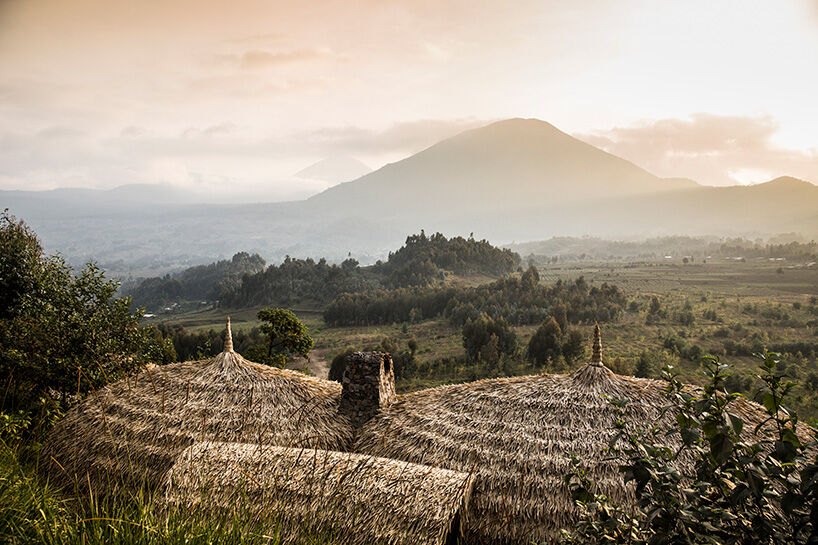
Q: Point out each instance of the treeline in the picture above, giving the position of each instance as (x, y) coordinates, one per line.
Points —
(591, 248)
(517, 300)
(423, 259)
(244, 280)
(297, 281)
(200, 283)
(182, 345)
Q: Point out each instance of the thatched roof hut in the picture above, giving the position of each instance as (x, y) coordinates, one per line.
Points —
(517, 435)
(341, 497)
(128, 434)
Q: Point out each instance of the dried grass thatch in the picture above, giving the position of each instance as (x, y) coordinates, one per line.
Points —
(517, 434)
(345, 498)
(128, 434)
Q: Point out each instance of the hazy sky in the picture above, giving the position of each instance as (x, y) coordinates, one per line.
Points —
(239, 95)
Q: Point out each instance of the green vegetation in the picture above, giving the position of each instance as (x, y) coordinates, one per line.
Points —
(549, 346)
(285, 336)
(243, 280)
(31, 512)
(679, 248)
(61, 334)
(519, 300)
(423, 259)
(726, 483)
(487, 340)
(200, 283)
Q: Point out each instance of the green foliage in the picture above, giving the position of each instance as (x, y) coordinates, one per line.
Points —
(420, 262)
(573, 346)
(550, 343)
(546, 344)
(203, 282)
(486, 339)
(296, 281)
(423, 259)
(746, 486)
(61, 334)
(286, 336)
(516, 301)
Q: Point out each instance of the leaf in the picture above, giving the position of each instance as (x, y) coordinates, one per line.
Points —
(736, 423)
(791, 501)
(769, 403)
(721, 446)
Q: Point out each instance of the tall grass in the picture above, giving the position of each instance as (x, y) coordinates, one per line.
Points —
(30, 512)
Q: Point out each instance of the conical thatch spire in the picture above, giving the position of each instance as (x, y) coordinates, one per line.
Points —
(228, 340)
(596, 357)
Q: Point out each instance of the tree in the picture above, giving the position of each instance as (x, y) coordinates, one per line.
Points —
(573, 346)
(286, 335)
(485, 337)
(546, 344)
(61, 333)
(22, 266)
(530, 278)
(412, 344)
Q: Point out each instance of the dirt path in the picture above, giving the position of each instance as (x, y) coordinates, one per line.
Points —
(317, 364)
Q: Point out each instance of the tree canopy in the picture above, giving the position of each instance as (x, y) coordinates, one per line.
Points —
(61, 334)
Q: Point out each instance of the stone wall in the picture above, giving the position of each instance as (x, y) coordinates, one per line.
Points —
(368, 386)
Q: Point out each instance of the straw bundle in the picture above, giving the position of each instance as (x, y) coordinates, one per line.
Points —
(342, 497)
(128, 434)
(517, 435)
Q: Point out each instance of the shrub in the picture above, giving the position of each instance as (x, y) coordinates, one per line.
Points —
(546, 343)
(743, 488)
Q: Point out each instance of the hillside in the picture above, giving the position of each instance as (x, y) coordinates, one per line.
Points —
(334, 170)
(509, 164)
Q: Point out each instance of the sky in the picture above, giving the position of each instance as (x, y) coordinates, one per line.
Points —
(229, 97)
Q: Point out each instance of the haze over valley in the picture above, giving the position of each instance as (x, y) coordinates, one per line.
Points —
(513, 180)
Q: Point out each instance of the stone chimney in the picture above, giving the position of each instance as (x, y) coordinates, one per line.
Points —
(368, 386)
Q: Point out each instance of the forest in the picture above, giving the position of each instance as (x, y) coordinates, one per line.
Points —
(244, 281)
(520, 301)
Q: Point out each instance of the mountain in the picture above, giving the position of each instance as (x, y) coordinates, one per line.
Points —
(334, 170)
(505, 165)
(515, 180)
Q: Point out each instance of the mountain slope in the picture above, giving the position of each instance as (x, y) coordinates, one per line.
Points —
(512, 163)
(334, 170)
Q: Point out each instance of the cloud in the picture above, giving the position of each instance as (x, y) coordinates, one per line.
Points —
(407, 137)
(711, 149)
(203, 156)
(258, 58)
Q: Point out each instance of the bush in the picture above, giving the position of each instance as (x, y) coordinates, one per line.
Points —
(546, 343)
(486, 339)
(744, 488)
(61, 333)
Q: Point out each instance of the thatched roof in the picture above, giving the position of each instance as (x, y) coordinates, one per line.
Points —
(129, 433)
(517, 435)
(342, 497)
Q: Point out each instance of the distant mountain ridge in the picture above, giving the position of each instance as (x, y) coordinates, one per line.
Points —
(334, 170)
(514, 180)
